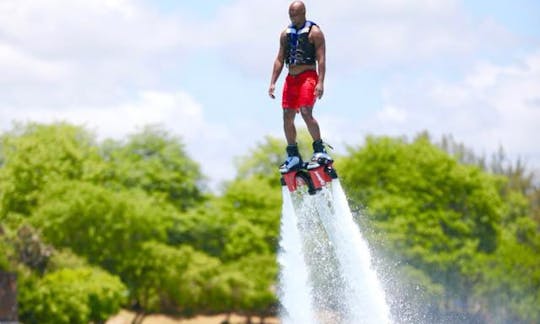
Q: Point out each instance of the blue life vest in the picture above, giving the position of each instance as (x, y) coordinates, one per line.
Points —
(298, 50)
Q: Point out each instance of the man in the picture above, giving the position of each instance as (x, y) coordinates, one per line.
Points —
(302, 49)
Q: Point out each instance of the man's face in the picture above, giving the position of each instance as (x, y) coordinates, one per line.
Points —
(297, 16)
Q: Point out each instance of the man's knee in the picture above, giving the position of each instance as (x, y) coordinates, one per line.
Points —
(306, 110)
(306, 113)
(289, 114)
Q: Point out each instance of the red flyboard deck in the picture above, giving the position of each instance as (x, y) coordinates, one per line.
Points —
(319, 177)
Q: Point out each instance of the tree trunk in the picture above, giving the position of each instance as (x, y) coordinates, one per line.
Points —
(227, 319)
(8, 297)
(139, 317)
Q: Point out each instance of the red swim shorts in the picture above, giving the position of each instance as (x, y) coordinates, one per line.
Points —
(298, 91)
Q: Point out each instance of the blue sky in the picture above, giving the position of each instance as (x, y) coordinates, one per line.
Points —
(201, 70)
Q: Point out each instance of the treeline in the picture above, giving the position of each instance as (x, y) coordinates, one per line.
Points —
(94, 227)
(458, 238)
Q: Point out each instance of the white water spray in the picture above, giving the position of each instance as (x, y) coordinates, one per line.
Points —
(294, 292)
(324, 254)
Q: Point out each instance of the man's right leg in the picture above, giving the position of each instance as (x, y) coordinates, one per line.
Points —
(288, 125)
(319, 152)
(294, 160)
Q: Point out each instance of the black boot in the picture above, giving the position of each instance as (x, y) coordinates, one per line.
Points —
(320, 156)
(318, 147)
(294, 160)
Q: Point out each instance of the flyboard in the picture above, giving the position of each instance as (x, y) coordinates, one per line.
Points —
(326, 275)
(314, 175)
(310, 280)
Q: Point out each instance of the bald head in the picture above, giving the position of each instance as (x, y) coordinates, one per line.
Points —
(297, 5)
(297, 13)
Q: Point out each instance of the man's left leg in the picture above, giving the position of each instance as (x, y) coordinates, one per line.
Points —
(313, 127)
(311, 123)
(294, 160)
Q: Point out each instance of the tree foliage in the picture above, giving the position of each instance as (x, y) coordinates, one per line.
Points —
(433, 214)
(36, 155)
(156, 162)
(68, 296)
(171, 279)
(105, 226)
(90, 227)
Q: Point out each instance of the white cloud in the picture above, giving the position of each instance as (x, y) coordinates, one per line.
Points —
(97, 28)
(63, 52)
(492, 106)
(206, 142)
(501, 107)
(392, 114)
(18, 67)
(373, 34)
(178, 111)
(91, 62)
(59, 53)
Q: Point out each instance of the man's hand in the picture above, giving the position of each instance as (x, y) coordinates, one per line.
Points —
(319, 90)
(271, 91)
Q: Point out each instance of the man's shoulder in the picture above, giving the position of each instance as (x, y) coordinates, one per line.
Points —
(283, 34)
(315, 31)
(313, 24)
(316, 28)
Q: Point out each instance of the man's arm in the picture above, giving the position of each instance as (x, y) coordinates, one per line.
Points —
(317, 37)
(278, 65)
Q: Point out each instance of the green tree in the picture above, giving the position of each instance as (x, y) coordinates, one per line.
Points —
(261, 271)
(263, 160)
(31, 250)
(65, 259)
(519, 178)
(156, 162)
(257, 201)
(36, 155)
(105, 226)
(508, 282)
(73, 296)
(244, 220)
(228, 290)
(204, 227)
(7, 251)
(426, 210)
(246, 286)
(171, 279)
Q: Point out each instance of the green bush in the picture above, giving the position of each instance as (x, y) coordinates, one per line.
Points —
(72, 296)
(171, 279)
(110, 225)
(65, 259)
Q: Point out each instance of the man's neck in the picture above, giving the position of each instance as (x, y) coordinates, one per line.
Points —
(300, 25)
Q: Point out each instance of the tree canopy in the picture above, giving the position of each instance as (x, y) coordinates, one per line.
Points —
(91, 227)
